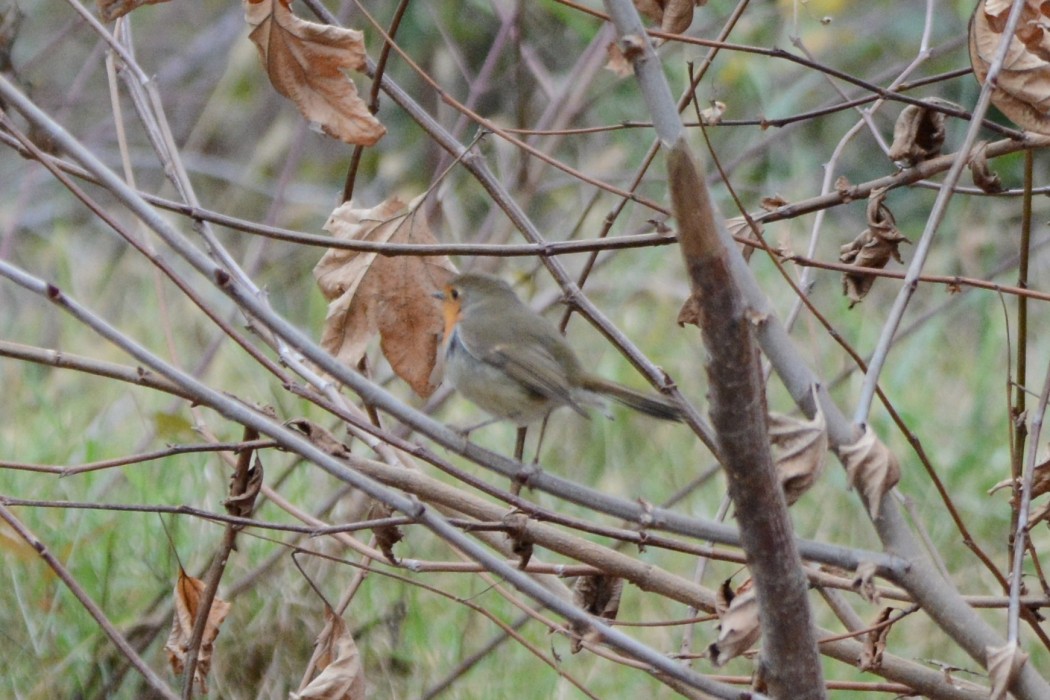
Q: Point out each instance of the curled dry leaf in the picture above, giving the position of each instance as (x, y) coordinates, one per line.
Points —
(110, 10)
(188, 592)
(342, 676)
(599, 595)
(690, 312)
(800, 449)
(873, 248)
(1022, 88)
(983, 176)
(305, 62)
(242, 504)
(386, 535)
(674, 16)
(739, 228)
(521, 543)
(388, 295)
(870, 468)
(875, 643)
(864, 582)
(1003, 664)
(738, 627)
(618, 62)
(321, 437)
(918, 134)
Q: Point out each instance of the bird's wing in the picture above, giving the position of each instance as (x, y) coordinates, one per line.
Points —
(529, 362)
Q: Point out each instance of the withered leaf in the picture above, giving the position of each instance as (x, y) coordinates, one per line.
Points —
(1022, 88)
(772, 202)
(983, 176)
(674, 16)
(690, 312)
(388, 295)
(870, 468)
(864, 582)
(386, 535)
(188, 592)
(521, 543)
(305, 62)
(875, 643)
(242, 504)
(918, 134)
(800, 449)
(618, 62)
(342, 675)
(1003, 664)
(599, 595)
(741, 230)
(110, 10)
(738, 627)
(321, 437)
(873, 248)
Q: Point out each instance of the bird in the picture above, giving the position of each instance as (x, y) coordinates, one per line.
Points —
(515, 364)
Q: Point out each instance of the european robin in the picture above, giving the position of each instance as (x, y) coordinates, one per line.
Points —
(514, 363)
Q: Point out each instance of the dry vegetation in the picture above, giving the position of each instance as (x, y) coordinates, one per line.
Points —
(227, 467)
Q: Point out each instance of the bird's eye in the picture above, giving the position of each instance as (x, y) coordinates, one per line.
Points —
(453, 292)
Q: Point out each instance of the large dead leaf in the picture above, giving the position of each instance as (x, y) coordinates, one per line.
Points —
(738, 627)
(109, 10)
(800, 449)
(389, 295)
(187, 601)
(341, 677)
(873, 248)
(305, 62)
(870, 468)
(1022, 89)
(674, 16)
(1003, 664)
(918, 134)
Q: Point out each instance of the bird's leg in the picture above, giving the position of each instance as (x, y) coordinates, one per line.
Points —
(519, 453)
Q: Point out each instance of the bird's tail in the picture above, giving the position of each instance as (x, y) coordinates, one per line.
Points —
(651, 404)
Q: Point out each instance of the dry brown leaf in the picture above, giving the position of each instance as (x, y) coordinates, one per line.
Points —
(875, 643)
(864, 582)
(690, 312)
(110, 10)
(983, 176)
(738, 627)
(386, 535)
(738, 228)
(800, 449)
(674, 16)
(241, 505)
(305, 62)
(321, 437)
(773, 202)
(873, 248)
(388, 295)
(599, 595)
(187, 600)
(1022, 89)
(342, 676)
(618, 62)
(1003, 664)
(870, 468)
(918, 134)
